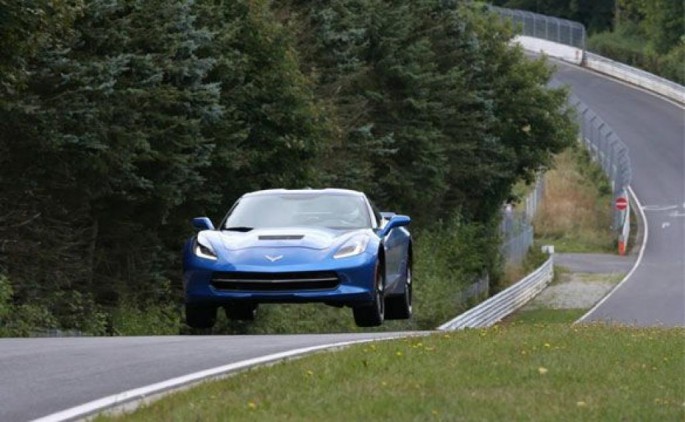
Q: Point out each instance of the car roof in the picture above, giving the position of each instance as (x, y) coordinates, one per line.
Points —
(327, 191)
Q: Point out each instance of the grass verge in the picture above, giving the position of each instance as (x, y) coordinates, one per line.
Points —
(576, 213)
(519, 371)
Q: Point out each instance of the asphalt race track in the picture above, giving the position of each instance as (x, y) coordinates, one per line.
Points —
(654, 131)
(47, 375)
(41, 376)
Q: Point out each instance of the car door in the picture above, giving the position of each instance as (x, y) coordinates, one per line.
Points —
(394, 255)
(393, 246)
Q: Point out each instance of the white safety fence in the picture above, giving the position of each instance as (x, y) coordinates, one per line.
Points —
(641, 78)
(504, 303)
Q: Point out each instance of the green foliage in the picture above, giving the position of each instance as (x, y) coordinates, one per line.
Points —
(20, 320)
(647, 34)
(662, 21)
(272, 130)
(628, 44)
(447, 260)
(429, 86)
(5, 303)
(140, 114)
(134, 319)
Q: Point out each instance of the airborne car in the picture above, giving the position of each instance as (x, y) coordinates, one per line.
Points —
(294, 246)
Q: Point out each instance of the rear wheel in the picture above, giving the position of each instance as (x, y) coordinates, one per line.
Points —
(400, 306)
(200, 316)
(373, 314)
(241, 311)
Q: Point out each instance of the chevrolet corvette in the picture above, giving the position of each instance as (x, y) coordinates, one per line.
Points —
(296, 246)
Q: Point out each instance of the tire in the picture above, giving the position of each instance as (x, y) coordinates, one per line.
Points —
(200, 316)
(241, 311)
(400, 306)
(373, 314)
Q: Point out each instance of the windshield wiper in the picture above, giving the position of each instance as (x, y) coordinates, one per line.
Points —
(239, 229)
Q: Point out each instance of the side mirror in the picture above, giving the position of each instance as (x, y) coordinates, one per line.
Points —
(202, 223)
(387, 215)
(395, 221)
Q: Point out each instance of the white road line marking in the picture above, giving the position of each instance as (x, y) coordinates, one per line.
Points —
(664, 225)
(659, 207)
(138, 394)
(676, 214)
(637, 262)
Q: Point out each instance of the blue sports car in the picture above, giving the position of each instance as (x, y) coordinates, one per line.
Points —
(284, 246)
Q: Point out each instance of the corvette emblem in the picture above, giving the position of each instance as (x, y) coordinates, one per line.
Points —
(273, 258)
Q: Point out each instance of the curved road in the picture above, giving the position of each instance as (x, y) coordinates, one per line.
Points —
(654, 131)
(43, 376)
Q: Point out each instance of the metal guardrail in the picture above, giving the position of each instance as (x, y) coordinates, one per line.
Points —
(505, 302)
(635, 76)
(561, 31)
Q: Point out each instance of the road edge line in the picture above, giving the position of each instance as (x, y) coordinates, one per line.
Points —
(139, 394)
(643, 217)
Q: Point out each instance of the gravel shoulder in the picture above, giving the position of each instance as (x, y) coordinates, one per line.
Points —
(582, 280)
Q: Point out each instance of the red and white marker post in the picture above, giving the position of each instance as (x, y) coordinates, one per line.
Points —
(621, 205)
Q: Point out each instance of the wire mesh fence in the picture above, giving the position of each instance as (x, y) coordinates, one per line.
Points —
(607, 150)
(516, 228)
(531, 24)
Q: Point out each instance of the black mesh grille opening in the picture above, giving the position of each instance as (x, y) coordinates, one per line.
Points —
(251, 281)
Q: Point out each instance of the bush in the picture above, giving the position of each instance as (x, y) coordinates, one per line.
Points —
(22, 320)
(131, 319)
(627, 45)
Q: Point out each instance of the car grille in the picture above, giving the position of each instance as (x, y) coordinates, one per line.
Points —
(274, 282)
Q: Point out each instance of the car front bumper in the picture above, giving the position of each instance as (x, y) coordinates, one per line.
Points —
(355, 282)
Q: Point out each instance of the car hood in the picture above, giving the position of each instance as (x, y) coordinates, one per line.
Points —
(291, 237)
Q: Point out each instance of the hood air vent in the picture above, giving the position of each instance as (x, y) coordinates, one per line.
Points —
(282, 237)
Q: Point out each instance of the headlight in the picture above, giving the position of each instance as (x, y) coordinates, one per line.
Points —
(203, 249)
(352, 247)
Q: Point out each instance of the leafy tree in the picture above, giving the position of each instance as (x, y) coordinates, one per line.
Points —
(428, 77)
(273, 129)
(646, 34)
(111, 142)
(139, 114)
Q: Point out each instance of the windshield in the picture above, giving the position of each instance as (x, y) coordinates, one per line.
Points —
(310, 210)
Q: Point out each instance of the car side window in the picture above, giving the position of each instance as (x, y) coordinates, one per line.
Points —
(377, 214)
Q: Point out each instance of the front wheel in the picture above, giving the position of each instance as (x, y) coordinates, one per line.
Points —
(201, 316)
(372, 315)
(400, 307)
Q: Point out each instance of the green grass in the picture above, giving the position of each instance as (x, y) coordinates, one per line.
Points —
(576, 213)
(518, 371)
(546, 316)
